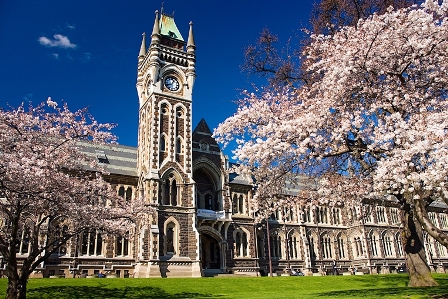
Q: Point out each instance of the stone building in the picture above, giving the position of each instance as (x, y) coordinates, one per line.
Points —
(204, 224)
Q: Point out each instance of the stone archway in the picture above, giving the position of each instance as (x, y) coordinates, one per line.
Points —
(210, 252)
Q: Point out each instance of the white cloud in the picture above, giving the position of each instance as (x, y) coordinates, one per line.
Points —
(70, 26)
(59, 41)
(55, 55)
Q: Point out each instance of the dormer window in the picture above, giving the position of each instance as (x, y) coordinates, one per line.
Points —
(172, 34)
(101, 156)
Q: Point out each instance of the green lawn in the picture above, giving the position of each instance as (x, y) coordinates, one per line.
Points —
(367, 286)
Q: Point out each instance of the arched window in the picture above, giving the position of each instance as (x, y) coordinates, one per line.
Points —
(374, 243)
(312, 247)
(358, 247)
(399, 244)
(171, 238)
(327, 252)
(121, 192)
(293, 247)
(238, 244)
(162, 143)
(341, 246)
(388, 245)
(128, 194)
(241, 244)
(276, 246)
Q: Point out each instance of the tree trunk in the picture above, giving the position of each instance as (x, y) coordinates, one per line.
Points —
(16, 288)
(419, 272)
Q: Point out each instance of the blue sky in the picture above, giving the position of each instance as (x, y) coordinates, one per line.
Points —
(85, 52)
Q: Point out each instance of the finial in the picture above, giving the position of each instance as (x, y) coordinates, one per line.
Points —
(143, 46)
(190, 42)
(156, 28)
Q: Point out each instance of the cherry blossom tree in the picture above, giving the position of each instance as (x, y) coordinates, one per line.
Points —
(371, 123)
(50, 190)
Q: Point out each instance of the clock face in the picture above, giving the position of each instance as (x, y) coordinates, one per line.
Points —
(171, 83)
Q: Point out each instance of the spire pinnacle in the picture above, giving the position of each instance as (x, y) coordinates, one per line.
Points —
(156, 28)
(143, 46)
(190, 36)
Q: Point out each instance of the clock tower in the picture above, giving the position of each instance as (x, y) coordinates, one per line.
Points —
(166, 73)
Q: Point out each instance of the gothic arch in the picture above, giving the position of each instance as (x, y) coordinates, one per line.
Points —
(208, 185)
(211, 232)
(170, 187)
(210, 168)
(171, 236)
(172, 69)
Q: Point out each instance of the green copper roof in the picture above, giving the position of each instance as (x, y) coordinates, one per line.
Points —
(169, 28)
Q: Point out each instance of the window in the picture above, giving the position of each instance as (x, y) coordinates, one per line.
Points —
(380, 215)
(121, 192)
(358, 247)
(276, 243)
(306, 214)
(394, 216)
(101, 156)
(293, 247)
(122, 246)
(128, 194)
(235, 204)
(312, 248)
(171, 237)
(173, 193)
(326, 247)
(322, 214)
(433, 218)
(443, 221)
(241, 204)
(388, 246)
(399, 244)
(162, 143)
(441, 249)
(91, 243)
(374, 243)
(336, 212)
(170, 192)
(241, 244)
(23, 241)
(260, 247)
(341, 247)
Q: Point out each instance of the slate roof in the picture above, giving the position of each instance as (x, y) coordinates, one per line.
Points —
(118, 159)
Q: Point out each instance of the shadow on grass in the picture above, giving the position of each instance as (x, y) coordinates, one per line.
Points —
(433, 292)
(400, 289)
(94, 292)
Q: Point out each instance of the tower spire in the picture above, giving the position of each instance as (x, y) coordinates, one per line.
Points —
(190, 42)
(156, 28)
(143, 46)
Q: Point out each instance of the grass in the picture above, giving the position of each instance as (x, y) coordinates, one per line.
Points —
(367, 286)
